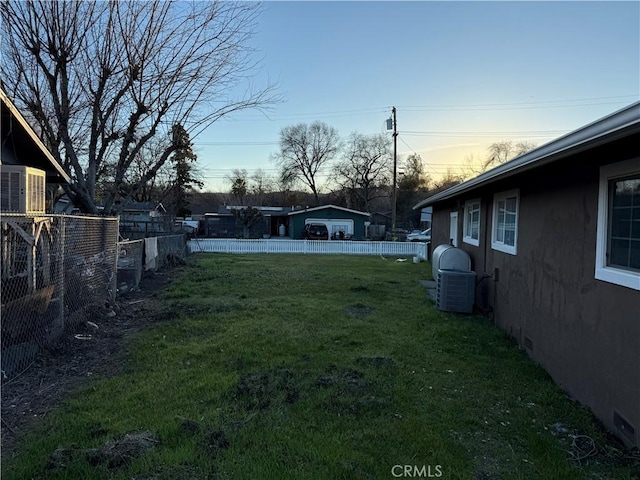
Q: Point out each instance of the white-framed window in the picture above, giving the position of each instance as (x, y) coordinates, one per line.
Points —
(504, 231)
(618, 227)
(471, 226)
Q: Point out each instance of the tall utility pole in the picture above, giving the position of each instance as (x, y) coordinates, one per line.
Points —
(395, 164)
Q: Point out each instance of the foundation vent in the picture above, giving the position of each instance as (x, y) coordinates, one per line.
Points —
(528, 343)
(623, 427)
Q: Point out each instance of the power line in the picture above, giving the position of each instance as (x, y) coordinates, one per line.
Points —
(415, 133)
(236, 144)
(577, 102)
(468, 134)
(472, 132)
(407, 145)
(524, 105)
(335, 113)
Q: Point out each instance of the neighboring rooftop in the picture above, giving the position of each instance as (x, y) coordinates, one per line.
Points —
(324, 207)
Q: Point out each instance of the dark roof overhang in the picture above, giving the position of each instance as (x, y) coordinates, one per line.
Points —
(17, 130)
(618, 125)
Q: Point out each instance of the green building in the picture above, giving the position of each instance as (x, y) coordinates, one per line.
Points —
(340, 222)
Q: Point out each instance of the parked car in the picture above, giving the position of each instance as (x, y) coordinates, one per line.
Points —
(316, 231)
(341, 235)
(424, 236)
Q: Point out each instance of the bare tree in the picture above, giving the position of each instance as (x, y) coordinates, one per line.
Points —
(474, 165)
(304, 152)
(498, 153)
(156, 188)
(102, 79)
(261, 185)
(364, 173)
(167, 175)
(247, 216)
(502, 152)
(448, 180)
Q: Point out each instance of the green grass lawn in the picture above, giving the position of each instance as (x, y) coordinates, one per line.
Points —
(316, 367)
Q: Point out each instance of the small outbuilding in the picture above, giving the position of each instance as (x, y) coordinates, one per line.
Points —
(341, 222)
(272, 222)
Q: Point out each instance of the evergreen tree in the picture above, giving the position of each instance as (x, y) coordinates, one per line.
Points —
(183, 163)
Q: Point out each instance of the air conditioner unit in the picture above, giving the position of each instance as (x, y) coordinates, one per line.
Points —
(455, 291)
(22, 189)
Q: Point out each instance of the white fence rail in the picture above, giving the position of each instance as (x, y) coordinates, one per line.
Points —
(232, 245)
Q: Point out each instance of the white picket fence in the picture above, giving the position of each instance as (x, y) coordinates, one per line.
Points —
(335, 247)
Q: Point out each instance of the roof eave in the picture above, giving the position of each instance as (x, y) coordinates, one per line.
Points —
(324, 207)
(27, 128)
(616, 125)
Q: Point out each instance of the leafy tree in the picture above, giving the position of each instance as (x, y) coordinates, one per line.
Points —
(304, 151)
(103, 79)
(363, 173)
(413, 184)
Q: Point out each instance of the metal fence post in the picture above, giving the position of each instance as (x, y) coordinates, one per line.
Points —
(114, 276)
(60, 256)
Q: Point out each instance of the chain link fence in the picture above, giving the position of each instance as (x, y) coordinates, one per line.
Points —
(60, 271)
(54, 270)
(167, 250)
(130, 265)
(150, 254)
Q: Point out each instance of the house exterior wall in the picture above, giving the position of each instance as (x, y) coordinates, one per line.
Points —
(583, 331)
(8, 156)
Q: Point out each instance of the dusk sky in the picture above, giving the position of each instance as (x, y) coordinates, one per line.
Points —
(462, 75)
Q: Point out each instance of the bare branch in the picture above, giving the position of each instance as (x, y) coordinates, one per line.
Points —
(364, 171)
(305, 150)
(102, 79)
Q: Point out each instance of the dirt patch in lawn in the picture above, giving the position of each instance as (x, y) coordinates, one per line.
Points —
(359, 310)
(258, 390)
(350, 393)
(116, 453)
(82, 353)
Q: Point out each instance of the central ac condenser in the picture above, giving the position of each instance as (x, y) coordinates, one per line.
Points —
(455, 291)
